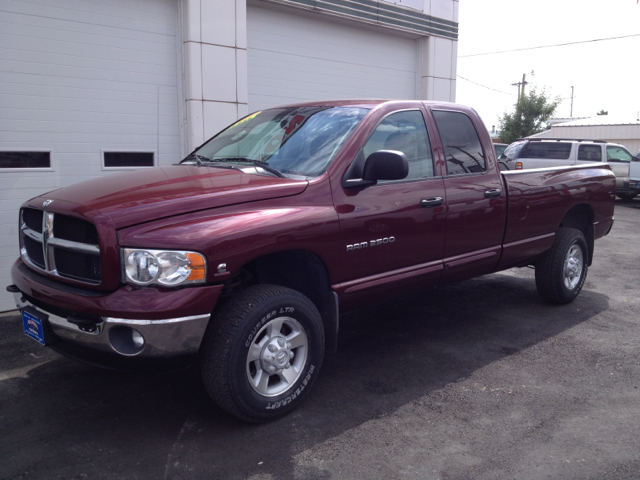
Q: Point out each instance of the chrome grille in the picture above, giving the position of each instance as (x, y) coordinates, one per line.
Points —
(60, 245)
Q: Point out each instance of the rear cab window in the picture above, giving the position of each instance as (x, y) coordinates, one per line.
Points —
(461, 143)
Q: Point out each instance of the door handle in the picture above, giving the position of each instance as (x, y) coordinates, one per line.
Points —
(496, 192)
(431, 202)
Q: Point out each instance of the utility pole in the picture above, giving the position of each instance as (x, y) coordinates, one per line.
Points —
(571, 113)
(522, 83)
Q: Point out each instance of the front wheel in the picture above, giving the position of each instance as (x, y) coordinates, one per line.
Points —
(561, 273)
(262, 352)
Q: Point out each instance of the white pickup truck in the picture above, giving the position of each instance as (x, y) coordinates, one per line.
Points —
(528, 153)
(634, 172)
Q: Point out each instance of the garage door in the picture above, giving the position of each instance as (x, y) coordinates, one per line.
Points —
(295, 58)
(78, 79)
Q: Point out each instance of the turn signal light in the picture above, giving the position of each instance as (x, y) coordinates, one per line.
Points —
(197, 267)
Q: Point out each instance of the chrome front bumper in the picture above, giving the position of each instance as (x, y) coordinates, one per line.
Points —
(142, 338)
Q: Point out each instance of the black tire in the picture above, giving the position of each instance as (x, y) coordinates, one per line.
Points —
(270, 322)
(626, 197)
(561, 273)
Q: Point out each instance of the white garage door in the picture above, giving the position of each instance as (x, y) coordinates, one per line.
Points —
(79, 78)
(295, 58)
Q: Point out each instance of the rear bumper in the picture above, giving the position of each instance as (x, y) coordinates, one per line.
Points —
(129, 322)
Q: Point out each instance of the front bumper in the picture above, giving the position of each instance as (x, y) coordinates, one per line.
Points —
(129, 337)
(628, 187)
(130, 322)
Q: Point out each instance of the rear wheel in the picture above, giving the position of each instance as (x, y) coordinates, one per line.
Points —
(561, 273)
(262, 352)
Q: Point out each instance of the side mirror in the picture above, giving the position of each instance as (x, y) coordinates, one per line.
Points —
(386, 165)
(381, 165)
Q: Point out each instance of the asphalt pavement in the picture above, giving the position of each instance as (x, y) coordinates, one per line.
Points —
(479, 380)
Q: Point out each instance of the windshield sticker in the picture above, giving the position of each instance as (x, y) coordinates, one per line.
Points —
(246, 119)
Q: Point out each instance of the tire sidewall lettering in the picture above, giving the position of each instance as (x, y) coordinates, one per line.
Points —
(292, 396)
(278, 311)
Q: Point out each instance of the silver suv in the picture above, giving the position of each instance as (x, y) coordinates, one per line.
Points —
(527, 153)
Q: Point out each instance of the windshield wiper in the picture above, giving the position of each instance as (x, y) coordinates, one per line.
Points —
(199, 158)
(257, 163)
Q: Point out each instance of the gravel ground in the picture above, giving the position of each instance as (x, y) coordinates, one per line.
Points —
(479, 380)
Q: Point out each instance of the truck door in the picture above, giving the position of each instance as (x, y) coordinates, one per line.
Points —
(393, 231)
(619, 159)
(476, 208)
(589, 153)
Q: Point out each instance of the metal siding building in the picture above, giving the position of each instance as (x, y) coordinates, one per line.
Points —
(603, 127)
(89, 87)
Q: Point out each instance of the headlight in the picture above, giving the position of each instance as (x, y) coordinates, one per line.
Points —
(162, 267)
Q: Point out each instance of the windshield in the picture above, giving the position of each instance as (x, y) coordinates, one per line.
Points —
(296, 141)
(512, 151)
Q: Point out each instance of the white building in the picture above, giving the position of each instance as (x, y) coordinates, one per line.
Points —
(88, 87)
(604, 127)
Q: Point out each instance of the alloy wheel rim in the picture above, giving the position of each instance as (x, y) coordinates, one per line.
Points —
(573, 266)
(276, 356)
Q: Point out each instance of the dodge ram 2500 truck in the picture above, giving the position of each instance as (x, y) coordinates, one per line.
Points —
(244, 254)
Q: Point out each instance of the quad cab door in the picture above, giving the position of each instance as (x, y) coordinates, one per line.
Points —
(475, 196)
(393, 230)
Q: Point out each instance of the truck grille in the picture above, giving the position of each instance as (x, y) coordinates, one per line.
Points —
(60, 245)
(77, 265)
(34, 250)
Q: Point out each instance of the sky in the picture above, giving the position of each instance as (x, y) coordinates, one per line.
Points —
(605, 74)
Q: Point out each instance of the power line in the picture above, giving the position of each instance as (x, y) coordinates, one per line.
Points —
(484, 86)
(550, 46)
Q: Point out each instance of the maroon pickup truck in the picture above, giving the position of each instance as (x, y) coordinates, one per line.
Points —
(244, 254)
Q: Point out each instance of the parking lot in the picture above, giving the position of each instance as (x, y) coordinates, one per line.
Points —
(479, 380)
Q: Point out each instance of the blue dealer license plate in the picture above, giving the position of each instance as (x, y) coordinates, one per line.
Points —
(34, 325)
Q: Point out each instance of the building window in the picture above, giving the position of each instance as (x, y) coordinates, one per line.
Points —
(128, 159)
(15, 159)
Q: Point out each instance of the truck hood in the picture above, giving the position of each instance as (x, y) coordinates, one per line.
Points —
(153, 193)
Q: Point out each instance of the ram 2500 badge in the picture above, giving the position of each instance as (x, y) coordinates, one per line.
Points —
(244, 254)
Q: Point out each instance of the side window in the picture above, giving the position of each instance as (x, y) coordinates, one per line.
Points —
(553, 150)
(618, 154)
(590, 153)
(462, 149)
(406, 132)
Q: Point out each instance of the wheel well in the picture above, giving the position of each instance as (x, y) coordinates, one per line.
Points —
(296, 269)
(580, 217)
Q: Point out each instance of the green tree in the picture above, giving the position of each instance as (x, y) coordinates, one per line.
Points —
(529, 115)
(603, 112)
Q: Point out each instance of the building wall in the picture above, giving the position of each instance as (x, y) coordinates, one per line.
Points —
(215, 57)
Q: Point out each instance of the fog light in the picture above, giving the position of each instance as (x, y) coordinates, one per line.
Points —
(125, 340)
(138, 340)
